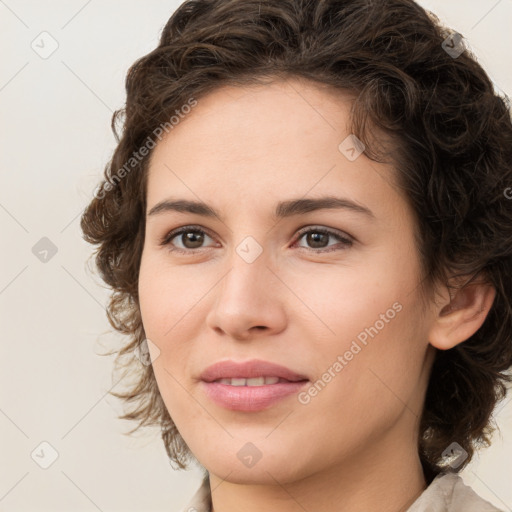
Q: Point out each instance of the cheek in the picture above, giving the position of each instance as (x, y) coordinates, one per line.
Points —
(171, 303)
(348, 304)
(168, 298)
(371, 372)
(363, 393)
(370, 357)
(164, 307)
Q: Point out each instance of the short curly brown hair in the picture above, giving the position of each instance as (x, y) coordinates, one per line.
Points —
(451, 137)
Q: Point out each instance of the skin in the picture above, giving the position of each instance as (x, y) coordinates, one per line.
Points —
(353, 446)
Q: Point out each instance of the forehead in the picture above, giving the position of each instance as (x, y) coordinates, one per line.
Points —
(247, 122)
(254, 143)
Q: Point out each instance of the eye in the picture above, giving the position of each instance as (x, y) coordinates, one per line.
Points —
(192, 238)
(318, 237)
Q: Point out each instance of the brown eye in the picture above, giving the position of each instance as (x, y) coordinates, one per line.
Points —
(192, 239)
(188, 239)
(185, 239)
(318, 238)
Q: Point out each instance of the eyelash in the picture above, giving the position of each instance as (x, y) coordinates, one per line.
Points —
(345, 240)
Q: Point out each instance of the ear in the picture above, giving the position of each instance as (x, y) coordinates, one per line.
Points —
(458, 318)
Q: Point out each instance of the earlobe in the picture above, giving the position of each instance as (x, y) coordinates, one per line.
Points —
(462, 316)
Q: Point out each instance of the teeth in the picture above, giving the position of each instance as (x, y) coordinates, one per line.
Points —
(254, 381)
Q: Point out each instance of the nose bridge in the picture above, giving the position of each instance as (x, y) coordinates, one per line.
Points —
(246, 296)
(249, 271)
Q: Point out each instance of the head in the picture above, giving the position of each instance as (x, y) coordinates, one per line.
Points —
(396, 306)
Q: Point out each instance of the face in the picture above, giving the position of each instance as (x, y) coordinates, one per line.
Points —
(329, 291)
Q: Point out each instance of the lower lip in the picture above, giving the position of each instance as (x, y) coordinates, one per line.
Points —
(250, 398)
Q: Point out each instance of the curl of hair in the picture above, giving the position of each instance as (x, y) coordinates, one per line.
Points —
(450, 139)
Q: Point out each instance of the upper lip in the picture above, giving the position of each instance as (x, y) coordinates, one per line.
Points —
(247, 370)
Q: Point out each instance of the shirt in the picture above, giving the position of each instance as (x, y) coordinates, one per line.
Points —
(446, 493)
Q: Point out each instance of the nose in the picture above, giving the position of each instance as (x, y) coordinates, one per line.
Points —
(248, 301)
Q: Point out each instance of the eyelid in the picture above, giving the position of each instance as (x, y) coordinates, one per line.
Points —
(342, 235)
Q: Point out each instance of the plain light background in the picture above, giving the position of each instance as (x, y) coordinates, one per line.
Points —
(55, 140)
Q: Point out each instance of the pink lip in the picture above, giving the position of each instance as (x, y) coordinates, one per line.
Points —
(249, 398)
(247, 370)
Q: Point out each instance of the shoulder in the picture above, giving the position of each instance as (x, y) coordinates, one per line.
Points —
(446, 493)
(449, 493)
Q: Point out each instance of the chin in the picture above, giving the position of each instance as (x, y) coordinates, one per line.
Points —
(260, 474)
(280, 467)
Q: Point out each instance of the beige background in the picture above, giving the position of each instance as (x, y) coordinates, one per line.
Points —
(55, 139)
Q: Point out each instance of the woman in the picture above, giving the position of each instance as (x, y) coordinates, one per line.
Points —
(306, 228)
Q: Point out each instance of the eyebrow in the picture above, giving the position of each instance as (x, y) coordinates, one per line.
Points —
(282, 210)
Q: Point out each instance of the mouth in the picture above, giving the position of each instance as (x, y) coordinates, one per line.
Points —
(254, 381)
(250, 373)
(250, 386)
